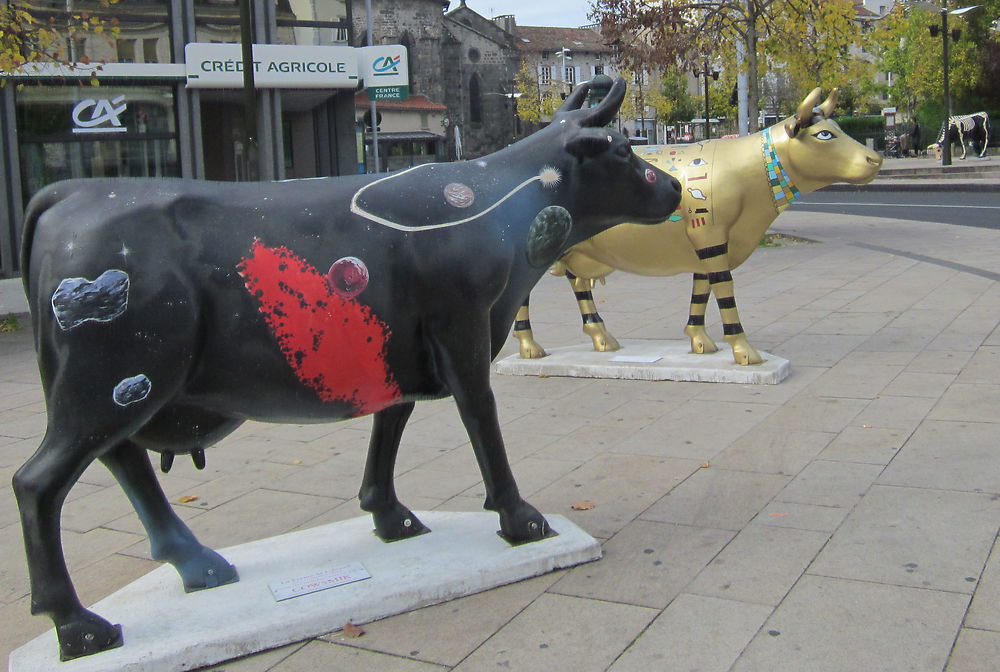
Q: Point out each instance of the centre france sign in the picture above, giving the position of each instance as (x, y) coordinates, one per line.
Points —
(385, 71)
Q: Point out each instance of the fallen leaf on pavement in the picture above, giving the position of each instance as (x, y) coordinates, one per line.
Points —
(583, 506)
(352, 630)
(188, 498)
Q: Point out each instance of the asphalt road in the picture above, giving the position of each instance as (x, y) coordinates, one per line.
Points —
(978, 209)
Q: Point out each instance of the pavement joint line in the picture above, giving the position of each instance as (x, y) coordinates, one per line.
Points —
(874, 582)
(981, 272)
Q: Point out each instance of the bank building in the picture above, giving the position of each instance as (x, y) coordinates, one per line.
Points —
(170, 101)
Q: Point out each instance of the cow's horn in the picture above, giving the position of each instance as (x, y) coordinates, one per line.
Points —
(804, 114)
(830, 104)
(600, 115)
(574, 101)
(604, 112)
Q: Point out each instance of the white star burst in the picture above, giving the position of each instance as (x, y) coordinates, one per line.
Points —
(550, 177)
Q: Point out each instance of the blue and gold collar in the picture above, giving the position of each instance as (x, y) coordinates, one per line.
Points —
(783, 191)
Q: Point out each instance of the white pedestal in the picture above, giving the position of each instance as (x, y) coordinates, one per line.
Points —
(635, 361)
(166, 629)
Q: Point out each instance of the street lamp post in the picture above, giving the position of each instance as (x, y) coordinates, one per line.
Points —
(946, 150)
(563, 52)
(706, 72)
(943, 10)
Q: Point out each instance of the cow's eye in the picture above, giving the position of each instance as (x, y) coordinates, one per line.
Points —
(824, 135)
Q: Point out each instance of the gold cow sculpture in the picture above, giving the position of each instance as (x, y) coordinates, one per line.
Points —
(731, 192)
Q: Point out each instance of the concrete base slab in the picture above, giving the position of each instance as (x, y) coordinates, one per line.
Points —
(648, 360)
(166, 629)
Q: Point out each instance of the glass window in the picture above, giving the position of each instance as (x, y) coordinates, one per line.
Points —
(71, 131)
(216, 21)
(312, 22)
(475, 100)
(135, 20)
(546, 74)
(126, 51)
(149, 50)
(321, 22)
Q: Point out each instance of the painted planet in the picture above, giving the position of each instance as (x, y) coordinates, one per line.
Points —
(459, 195)
(348, 277)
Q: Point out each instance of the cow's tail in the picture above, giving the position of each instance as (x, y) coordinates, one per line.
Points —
(38, 204)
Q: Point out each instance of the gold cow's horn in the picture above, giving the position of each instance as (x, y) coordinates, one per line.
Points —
(804, 113)
(830, 104)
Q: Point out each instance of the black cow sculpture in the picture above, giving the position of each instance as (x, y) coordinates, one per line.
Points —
(971, 128)
(166, 312)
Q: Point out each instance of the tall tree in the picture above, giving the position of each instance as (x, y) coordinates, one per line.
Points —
(536, 102)
(906, 48)
(661, 33)
(813, 44)
(674, 103)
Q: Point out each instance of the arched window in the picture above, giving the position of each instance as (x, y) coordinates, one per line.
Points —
(406, 39)
(475, 100)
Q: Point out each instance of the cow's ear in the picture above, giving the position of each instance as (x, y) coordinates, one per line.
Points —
(791, 126)
(586, 145)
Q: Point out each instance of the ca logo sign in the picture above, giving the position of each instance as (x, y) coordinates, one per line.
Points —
(386, 65)
(103, 115)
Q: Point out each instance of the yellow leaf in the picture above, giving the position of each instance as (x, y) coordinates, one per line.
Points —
(188, 498)
(582, 506)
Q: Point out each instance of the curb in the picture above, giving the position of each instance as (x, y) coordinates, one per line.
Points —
(918, 184)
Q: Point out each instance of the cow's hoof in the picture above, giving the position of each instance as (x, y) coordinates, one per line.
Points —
(603, 340)
(746, 356)
(87, 634)
(206, 569)
(531, 350)
(523, 523)
(398, 524)
(701, 342)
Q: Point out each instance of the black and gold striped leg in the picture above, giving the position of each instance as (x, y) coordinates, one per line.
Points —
(716, 259)
(530, 349)
(593, 325)
(701, 342)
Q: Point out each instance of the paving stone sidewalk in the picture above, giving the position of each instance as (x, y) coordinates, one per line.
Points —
(845, 519)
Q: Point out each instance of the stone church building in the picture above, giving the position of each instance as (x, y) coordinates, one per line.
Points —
(462, 67)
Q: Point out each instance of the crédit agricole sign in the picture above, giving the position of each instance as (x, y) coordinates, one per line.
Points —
(220, 66)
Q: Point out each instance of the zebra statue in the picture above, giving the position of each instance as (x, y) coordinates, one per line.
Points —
(974, 127)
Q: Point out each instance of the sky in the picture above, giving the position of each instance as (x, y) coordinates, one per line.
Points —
(565, 13)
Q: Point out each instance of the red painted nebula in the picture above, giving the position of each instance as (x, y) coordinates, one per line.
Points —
(335, 345)
(348, 277)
